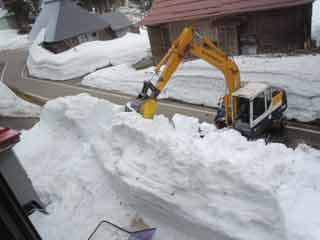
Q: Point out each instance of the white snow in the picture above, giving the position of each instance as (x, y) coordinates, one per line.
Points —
(92, 161)
(132, 11)
(200, 83)
(3, 12)
(13, 106)
(10, 39)
(87, 57)
(316, 21)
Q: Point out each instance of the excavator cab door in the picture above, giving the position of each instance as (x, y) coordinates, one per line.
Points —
(260, 107)
(243, 119)
(252, 114)
(254, 109)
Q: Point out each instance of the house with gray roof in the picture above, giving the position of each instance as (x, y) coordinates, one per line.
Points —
(65, 25)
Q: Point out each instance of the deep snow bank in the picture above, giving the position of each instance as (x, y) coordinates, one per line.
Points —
(93, 161)
(3, 12)
(200, 83)
(316, 21)
(87, 57)
(13, 106)
(10, 39)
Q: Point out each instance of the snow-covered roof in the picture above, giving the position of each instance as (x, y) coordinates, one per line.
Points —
(63, 19)
(251, 90)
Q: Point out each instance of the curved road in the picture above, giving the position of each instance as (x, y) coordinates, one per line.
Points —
(15, 76)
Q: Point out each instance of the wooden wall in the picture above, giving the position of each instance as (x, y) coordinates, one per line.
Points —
(162, 36)
(278, 30)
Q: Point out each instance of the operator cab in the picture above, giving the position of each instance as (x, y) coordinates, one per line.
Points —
(259, 105)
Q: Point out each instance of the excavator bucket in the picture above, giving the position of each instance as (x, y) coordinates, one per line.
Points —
(145, 104)
(147, 108)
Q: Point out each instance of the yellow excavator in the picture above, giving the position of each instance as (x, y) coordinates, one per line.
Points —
(251, 109)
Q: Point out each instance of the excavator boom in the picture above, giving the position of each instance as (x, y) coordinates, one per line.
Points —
(146, 103)
(250, 109)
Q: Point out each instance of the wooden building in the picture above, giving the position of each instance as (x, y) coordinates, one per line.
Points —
(239, 27)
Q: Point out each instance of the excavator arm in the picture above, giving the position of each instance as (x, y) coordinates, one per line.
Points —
(146, 103)
(209, 52)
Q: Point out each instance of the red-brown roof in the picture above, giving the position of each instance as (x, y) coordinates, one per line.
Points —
(164, 11)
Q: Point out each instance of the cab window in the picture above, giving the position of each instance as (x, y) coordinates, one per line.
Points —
(269, 98)
(259, 106)
(244, 110)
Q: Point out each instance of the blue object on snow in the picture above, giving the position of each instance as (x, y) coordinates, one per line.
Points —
(143, 235)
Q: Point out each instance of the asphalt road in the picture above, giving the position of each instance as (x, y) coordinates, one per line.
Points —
(16, 77)
(18, 123)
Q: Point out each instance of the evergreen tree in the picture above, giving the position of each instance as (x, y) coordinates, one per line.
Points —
(21, 10)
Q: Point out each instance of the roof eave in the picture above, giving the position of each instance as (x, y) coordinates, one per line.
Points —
(150, 23)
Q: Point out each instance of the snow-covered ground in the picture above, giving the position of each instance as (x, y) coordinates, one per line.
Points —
(13, 106)
(87, 57)
(3, 12)
(92, 161)
(200, 83)
(10, 39)
(316, 21)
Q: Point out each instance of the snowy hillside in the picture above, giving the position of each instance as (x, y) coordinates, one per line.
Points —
(13, 106)
(190, 188)
(316, 21)
(200, 83)
(87, 57)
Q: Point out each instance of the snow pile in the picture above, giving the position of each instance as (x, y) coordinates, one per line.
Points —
(3, 12)
(122, 78)
(316, 21)
(87, 57)
(13, 106)
(110, 164)
(200, 83)
(10, 39)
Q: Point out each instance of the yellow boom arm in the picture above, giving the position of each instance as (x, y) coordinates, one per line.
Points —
(203, 49)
